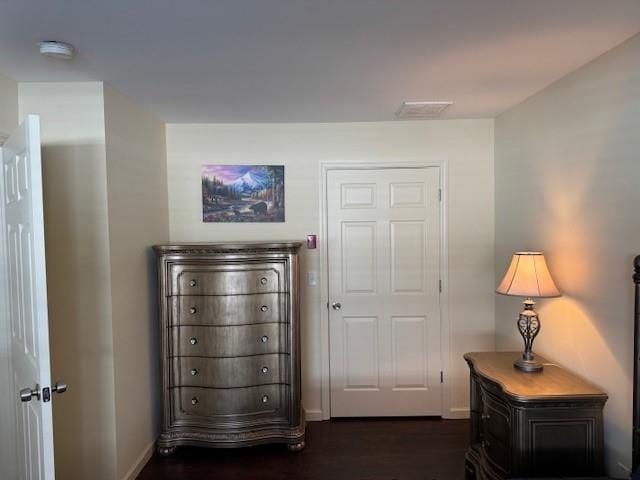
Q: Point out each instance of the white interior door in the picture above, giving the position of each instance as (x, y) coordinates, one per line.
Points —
(384, 298)
(26, 294)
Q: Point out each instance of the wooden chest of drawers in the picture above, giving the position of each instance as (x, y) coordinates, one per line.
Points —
(532, 425)
(229, 316)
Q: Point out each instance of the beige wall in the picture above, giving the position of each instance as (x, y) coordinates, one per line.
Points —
(138, 218)
(467, 147)
(78, 273)
(568, 183)
(105, 199)
(8, 106)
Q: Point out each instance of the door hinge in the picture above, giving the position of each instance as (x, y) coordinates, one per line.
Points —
(440, 285)
(439, 194)
(441, 376)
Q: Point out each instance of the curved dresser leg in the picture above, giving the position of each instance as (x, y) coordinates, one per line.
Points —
(296, 447)
(166, 451)
(470, 471)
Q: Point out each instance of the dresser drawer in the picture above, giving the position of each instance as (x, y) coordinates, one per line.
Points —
(229, 372)
(227, 279)
(496, 418)
(496, 432)
(227, 309)
(498, 454)
(235, 341)
(191, 403)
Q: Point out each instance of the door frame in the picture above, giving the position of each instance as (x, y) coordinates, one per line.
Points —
(323, 244)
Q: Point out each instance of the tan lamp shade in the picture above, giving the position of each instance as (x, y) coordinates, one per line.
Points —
(528, 276)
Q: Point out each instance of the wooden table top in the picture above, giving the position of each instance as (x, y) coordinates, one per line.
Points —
(552, 382)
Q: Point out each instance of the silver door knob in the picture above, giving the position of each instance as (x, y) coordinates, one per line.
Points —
(193, 310)
(264, 339)
(193, 340)
(265, 369)
(59, 387)
(336, 305)
(26, 394)
(194, 372)
(193, 283)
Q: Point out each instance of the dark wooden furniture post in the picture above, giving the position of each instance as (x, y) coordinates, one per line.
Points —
(532, 424)
(636, 369)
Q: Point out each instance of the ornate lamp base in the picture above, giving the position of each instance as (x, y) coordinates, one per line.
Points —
(529, 327)
(528, 365)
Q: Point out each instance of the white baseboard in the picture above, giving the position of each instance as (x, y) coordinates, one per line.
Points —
(313, 415)
(457, 413)
(140, 462)
(453, 413)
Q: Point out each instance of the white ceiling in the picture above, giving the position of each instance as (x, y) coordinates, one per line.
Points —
(313, 60)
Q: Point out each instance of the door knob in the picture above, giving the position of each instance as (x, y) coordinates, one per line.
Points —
(336, 305)
(59, 387)
(26, 394)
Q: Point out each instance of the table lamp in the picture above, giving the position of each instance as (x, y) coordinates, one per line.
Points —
(528, 276)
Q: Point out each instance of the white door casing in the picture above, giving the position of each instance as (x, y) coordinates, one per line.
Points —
(8, 461)
(383, 234)
(23, 237)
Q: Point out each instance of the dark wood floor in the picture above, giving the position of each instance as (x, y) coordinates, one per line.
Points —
(349, 449)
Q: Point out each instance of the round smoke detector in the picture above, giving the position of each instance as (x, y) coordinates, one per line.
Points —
(59, 50)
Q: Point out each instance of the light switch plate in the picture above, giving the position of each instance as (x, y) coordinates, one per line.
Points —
(312, 279)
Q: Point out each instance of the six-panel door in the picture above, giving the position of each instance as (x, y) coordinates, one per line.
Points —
(384, 312)
(27, 301)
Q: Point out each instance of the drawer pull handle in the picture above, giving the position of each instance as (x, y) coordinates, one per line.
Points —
(265, 369)
(194, 401)
(264, 339)
(194, 372)
(263, 280)
(193, 340)
(265, 399)
(486, 416)
(193, 283)
(264, 308)
(485, 444)
(193, 310)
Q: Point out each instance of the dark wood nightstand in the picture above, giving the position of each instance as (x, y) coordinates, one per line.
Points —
(532, 424)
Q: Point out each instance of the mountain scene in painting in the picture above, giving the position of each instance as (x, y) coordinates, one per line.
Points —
(243, 193)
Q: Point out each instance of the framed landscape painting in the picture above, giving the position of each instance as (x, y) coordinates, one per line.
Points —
(243, 193)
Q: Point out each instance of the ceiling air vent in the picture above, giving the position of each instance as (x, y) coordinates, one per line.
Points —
(417, 110)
